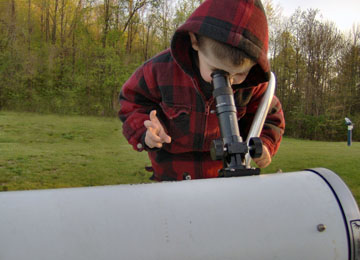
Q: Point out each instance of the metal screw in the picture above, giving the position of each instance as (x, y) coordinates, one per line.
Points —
(186, 176)
(321, 227)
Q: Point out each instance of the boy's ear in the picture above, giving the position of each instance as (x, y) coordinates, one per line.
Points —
(194, 41)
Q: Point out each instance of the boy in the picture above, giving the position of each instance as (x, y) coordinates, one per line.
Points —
(167, 106)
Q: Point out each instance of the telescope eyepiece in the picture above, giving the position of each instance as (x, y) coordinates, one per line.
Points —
(219, 73)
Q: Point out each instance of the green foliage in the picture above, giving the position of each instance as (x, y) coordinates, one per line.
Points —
(67, 71)
(184, 10)
(311, 127)
(59, 86)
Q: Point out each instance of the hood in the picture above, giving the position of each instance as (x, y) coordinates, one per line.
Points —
(240, 23)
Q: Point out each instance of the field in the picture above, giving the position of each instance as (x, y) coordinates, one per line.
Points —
(52, 151)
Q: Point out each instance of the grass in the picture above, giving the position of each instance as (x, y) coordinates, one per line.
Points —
(51, 151)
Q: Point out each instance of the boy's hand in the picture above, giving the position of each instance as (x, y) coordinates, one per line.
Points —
(155, 133)
(265, 158)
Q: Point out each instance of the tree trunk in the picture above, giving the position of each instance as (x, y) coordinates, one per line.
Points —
(106, 21)
(12, 27)
(73, 61)
(29, 26)
(53, 35)
(62, 25)
(47, 21)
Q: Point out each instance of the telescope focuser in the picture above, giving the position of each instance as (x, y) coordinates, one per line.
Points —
(230, 148)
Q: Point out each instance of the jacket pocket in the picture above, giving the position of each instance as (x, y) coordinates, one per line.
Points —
(177, 120)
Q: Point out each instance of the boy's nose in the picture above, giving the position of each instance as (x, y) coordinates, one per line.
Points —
(236, 79)
(231, 80)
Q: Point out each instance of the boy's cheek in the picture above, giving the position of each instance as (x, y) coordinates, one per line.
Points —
(206, 76)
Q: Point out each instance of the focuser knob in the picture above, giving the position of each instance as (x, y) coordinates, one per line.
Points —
(255, 147)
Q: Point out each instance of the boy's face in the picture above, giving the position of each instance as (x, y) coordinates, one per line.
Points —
(208, 63)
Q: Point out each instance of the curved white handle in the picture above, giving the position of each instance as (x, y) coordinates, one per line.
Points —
(261, 113)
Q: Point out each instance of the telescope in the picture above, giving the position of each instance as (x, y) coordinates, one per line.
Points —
(309, 214)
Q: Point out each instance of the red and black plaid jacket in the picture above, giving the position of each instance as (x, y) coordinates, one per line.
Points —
(170, 84)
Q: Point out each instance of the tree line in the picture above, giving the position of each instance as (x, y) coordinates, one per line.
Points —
(318, 73)
(72, 57)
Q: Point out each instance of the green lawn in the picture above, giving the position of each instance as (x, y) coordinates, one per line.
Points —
(51, 151)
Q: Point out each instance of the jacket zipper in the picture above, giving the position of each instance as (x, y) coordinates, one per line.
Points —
(204, 123)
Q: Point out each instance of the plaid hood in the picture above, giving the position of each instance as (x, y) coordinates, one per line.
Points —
(246, 29)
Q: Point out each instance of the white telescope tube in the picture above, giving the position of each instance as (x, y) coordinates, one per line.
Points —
(260, 115)
(301, 215)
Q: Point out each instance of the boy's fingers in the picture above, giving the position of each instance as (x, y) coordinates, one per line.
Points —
(155, 123)
(153, 117)
(165, 137)
(149, 124)
(265, 158)
(152, 140)
(154, 136)
(262, 163)
(155, 139)
(153, 144)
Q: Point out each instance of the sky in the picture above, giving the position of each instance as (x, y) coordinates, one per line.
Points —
(344, 13)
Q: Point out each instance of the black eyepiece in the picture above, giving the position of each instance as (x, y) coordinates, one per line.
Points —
(218, 73)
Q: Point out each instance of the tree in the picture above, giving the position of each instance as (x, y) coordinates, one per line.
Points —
(54, 25)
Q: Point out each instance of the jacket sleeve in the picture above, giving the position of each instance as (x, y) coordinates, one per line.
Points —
(139, 95)
(274, 124)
